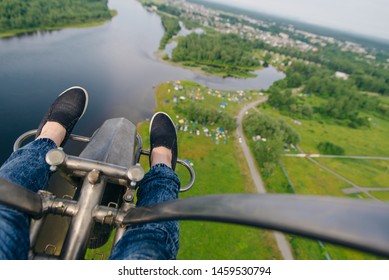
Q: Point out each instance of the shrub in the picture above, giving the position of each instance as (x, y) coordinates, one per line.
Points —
(329, 148)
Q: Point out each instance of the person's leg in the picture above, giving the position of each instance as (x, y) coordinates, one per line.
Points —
(160, 240)
(152, 241)
(27, 167)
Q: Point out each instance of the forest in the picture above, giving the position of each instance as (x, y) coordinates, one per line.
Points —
(20, 15)
(341, 99)
(369, 76)
(227, 53)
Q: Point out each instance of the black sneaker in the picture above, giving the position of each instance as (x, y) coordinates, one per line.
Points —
(67, 109)
(163, 133)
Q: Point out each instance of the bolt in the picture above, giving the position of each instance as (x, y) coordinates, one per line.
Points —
(135, 173)
(55, 157)
(94, 176)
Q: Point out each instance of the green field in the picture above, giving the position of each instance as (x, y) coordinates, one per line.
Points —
(221, 168)
(309, 178)
(306, 177)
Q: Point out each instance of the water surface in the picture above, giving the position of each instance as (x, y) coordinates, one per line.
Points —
(115, 62)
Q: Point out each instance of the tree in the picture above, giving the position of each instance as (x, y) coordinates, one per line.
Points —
(42, 14)
(217, 52)
(205, 116)
(268, 154)
(270, 128)
(172, 27)
(294, 80)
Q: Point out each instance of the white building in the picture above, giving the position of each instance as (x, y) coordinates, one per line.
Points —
(341, 75)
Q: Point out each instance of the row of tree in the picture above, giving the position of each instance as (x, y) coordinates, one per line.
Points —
(270, 128)
(41, 14)
(172, 27)
(166, 9)
(277, 134)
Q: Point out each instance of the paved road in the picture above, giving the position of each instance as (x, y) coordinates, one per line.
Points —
(246, 150)
(282, 243)
(355, 190)
(336, 156)
(355, 186)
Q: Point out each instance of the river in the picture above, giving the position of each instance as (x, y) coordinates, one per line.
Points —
(115, 62)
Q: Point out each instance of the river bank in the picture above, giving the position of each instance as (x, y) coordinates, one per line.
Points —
(27, 31)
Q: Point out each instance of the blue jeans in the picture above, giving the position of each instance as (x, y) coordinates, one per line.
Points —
(28, 168)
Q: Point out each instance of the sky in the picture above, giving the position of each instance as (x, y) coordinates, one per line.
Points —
(366, 17)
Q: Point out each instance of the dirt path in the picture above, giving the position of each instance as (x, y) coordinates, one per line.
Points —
(282, 243)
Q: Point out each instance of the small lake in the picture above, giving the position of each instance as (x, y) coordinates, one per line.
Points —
(115, 62)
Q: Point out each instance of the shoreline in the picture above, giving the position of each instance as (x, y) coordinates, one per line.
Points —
(197, 70)
(29, 31)
(159, 57)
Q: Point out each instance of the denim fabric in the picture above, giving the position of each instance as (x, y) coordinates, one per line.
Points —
(152, 241)
(26, 167)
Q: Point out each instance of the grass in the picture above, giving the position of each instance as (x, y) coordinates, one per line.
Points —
(310, 179)
(219, 169)
(277, 182)
(375, 172)
(306, 178)
(305, 249)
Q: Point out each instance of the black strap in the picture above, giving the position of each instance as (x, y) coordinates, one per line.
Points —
(20, 198)
(353, 223)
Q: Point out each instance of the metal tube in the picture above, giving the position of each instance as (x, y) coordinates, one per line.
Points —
(35, 228)
(119, 219)
(111, 170)
(184, 164)
(22, 138)
(76, 241)
(105, 215)
(64, 207)
(19, 141)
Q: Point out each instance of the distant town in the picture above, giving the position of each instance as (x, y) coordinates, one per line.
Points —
(266, 31)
